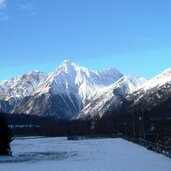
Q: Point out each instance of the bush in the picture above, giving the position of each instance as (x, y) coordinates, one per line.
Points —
(5, 137)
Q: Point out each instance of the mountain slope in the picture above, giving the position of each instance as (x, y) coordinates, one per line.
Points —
(63, 93)
(13, 91)
(72, 89)
(19, 87)
(152, 99)
(68, 89)
(154, 91)
(69, 77)
(131, 94)
(112, 97)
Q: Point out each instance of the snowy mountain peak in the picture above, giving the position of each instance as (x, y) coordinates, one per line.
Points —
(158, 81)
(77, 85)
(69, 73)
(132, 82)
(165, 75)
(67, 63)
(71, 68)
(111, 97)
(21, 86)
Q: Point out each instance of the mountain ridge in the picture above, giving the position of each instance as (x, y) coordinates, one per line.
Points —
(70, 87)
(73, 91)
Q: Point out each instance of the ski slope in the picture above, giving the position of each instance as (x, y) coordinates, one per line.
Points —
(58, 154)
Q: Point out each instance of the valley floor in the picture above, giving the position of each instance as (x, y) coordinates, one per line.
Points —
(58, 154)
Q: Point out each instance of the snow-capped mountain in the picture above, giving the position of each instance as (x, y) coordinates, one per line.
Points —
(112, 97)
(153, 98)
(82, 82)
(154, 91)
(13, 91)
(63, 92)
(19, 87)
(75, 91)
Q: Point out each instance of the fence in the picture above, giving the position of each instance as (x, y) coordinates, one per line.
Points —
(166, 150)
(162, 149)
(156, 147)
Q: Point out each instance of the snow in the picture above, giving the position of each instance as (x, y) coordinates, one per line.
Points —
(58, 154)
(158, 81)
(70, 78)
(21, 86)
(75, 84)
(106, 97)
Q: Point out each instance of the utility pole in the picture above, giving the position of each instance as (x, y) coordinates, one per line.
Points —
(140, 132)
(133, 123)
(143, 134)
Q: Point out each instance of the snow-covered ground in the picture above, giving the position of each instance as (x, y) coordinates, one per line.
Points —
(58, 154)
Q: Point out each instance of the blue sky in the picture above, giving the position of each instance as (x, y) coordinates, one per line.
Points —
(130, 35)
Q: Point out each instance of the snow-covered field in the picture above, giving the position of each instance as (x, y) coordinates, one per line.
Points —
(58, 154)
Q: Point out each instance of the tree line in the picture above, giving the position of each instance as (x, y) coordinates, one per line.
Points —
(131, 123)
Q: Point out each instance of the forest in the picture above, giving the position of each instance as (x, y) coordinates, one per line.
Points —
(153, 125)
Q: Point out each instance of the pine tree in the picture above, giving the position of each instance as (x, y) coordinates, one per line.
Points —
(5, 137)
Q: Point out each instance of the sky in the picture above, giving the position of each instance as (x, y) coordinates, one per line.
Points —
(132, 36)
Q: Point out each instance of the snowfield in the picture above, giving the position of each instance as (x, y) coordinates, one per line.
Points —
(58, 154)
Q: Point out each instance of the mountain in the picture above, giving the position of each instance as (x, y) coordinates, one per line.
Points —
(112, 97)
(72, 78)
(13, 91)
(151, 99)
(62, 93)
(154, 91)
(20, 87)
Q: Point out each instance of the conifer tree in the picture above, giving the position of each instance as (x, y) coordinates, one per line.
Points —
(5, 137)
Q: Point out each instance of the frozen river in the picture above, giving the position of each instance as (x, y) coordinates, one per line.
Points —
(58, 154)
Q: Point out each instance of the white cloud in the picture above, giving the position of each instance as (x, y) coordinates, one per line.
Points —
(3, 15)
(2, 4)
(28, 7)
